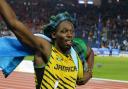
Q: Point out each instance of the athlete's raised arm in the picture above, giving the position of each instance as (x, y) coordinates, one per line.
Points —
(18, 28)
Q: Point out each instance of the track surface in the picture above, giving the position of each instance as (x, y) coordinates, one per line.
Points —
(22, 80)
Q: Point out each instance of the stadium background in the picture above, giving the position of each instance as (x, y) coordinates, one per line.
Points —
(103, 24)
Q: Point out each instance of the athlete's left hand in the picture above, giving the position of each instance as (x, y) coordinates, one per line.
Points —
(85, 79)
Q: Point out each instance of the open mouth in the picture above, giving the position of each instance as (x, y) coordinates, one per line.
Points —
(68, 42)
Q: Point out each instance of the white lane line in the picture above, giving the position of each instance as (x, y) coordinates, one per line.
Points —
(110, 80)
(27, 66)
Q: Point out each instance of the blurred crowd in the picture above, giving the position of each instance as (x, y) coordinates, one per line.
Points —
(99, 26)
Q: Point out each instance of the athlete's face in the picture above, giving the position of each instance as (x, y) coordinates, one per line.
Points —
(64, 34)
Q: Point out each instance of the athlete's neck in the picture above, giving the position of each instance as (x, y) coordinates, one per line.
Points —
(63, 50)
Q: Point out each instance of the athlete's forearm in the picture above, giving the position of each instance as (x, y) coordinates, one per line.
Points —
(6, 12)
(17, 27)
(90, 62)
(90, 59)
